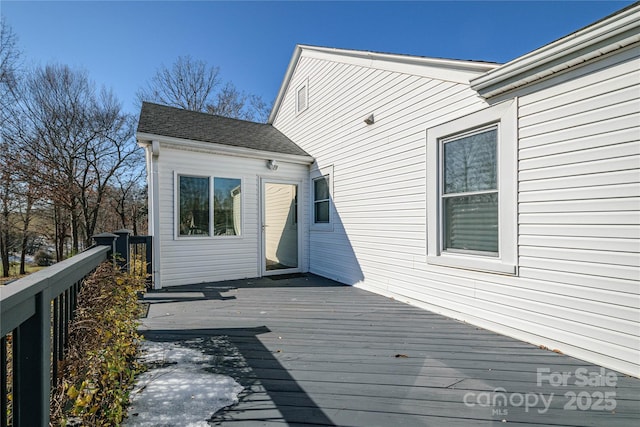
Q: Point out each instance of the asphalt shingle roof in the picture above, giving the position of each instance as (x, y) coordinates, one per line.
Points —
(178, 123)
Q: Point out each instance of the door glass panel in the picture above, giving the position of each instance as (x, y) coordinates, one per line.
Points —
(280, 226)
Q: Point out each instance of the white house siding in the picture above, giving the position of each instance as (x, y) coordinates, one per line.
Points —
(579, 209)
(195, 260)
(577, 289)
(379, 170)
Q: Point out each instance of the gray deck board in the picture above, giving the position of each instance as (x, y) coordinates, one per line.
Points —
(309, 351)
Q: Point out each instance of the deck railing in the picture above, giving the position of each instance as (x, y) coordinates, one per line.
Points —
(135, 254)
(35, 313)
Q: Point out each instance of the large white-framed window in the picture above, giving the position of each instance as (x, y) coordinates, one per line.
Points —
(321, 199)
(207, 206)
(302, 97)
(472, 191)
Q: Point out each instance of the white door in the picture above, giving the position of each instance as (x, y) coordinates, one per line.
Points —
(280, 230)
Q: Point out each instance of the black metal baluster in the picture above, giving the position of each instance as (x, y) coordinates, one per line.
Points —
(57, 357)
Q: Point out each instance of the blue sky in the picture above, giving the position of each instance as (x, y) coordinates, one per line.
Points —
(121, 43)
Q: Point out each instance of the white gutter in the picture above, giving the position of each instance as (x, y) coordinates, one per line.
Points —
(614, 32)
(152, 152)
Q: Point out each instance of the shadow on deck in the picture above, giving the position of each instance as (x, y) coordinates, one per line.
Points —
(309, 351)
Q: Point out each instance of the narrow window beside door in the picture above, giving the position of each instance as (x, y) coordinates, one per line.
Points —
(321, 202)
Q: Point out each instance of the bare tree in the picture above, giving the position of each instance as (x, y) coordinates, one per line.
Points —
(27, 192)
(7, 200)
(62, 144)
(10, 58)
(111, 152)
(259, 109)
(10, 61)
(193, 85)
(80, 139)
(229, 102)
(128, 201)
(188, 84)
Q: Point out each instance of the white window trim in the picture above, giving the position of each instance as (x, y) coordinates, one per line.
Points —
(505, 115)
(315, 174)
(176, 207)
(305, 86)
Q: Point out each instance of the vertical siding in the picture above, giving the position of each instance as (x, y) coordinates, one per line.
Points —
(577, 290)
(196, 260)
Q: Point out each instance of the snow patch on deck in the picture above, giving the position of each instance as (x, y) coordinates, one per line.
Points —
(178, 391)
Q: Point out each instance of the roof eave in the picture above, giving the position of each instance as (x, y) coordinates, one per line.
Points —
(614, 32)
(145, 138)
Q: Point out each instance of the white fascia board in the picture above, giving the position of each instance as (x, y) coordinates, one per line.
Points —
(614, 32)
(452, 70)
(227, 150)
(285, 83)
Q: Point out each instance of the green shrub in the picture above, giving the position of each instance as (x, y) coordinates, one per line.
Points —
(100, 364)
(43, 258)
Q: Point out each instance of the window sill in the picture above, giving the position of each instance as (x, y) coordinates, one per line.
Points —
(476, 263)
(321, 227)
(192, 238)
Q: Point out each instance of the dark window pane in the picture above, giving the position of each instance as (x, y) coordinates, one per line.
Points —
(321, 212)
(321, 188)
(471, 223)
(194, 206)
(470, 163)
(227, 207)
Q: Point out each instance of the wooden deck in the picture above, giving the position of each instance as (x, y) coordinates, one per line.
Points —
(309, 351)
